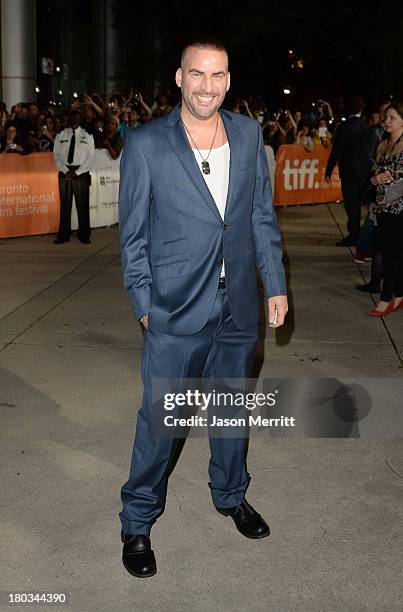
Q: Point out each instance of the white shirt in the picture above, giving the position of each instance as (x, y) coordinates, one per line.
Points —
(84, 151)
(218, 179)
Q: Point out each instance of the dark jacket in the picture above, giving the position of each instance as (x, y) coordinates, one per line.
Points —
(352, 150)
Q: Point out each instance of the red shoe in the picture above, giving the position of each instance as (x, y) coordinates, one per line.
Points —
(359, 257)
(362, 256)
(388, 310)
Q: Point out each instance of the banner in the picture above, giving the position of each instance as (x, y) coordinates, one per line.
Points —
(300, 176)
(29, 194)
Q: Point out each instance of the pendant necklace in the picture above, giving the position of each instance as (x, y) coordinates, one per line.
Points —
(205, 165)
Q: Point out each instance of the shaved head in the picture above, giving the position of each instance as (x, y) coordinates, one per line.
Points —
(210, 44)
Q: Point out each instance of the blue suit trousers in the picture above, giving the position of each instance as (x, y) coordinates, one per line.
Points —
(219, 350)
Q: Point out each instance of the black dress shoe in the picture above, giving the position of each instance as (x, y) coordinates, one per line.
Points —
(85, 240)
(369, 288)
(247, 520)
(346, 242)
(137, 556)
(61, 240)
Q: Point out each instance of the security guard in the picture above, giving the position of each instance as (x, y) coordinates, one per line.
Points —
(74, 155)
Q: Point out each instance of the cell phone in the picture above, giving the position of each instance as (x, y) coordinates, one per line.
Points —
(322, 132)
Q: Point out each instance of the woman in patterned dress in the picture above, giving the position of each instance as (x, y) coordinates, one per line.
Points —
(389, 208)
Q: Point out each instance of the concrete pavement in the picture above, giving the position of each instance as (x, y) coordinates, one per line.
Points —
(70, 389)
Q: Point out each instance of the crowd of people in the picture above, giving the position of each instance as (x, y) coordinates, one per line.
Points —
(26, 128)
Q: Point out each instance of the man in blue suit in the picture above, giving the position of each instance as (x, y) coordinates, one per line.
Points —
(196, 218)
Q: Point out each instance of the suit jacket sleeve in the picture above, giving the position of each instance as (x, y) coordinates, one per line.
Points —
(335, 152)
(134, 224)
(266, 232)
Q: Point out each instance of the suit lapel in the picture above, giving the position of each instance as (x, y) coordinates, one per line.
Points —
(180, 144)
(234, 139)
(182, 148)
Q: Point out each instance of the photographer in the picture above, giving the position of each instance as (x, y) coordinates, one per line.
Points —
(47, 136)
(320, 110)
(13, 141)
(271, 134)
(96, 103)
(287, 127)
(110, 140)
(99, 133)
(240, 106)
(90, 116)
(304, 139)
(131, 113)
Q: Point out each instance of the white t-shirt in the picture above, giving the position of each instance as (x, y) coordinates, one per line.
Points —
(218, 179)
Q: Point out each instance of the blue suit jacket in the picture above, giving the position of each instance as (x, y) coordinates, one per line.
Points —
(172, 237)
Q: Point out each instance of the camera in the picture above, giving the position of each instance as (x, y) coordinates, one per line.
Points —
(99, 137)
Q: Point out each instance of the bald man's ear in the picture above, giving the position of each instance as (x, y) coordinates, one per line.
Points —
(228, 81)
(178, 77)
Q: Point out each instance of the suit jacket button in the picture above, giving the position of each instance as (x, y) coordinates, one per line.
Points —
(220, 262)
(225, 226)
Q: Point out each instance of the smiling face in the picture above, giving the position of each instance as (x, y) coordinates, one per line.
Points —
(204, 80)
